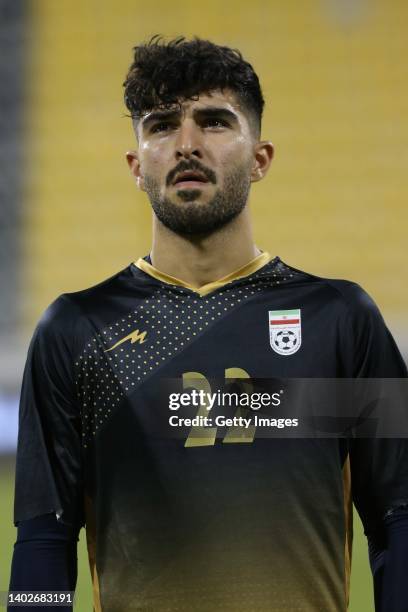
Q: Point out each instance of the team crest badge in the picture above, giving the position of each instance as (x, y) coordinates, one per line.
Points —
(285, 332)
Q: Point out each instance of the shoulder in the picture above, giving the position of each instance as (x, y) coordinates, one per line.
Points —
(358, 304)
(349, 295)
(367, 346)
(103, 289)
(66, 309)
(65, 322)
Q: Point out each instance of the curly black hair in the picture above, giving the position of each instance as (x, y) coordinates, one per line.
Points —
(163, 73)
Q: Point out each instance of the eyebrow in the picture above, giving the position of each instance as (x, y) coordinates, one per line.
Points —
(159, 116)
(209, 111)
(216, 111)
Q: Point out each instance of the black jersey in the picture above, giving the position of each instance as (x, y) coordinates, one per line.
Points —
(221, 523)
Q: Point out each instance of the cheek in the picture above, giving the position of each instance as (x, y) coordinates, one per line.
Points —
(235, 153)
(153, 160)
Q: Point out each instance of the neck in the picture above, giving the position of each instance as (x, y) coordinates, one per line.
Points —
(201, 260)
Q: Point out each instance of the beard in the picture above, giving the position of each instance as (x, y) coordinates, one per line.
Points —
(194, 218)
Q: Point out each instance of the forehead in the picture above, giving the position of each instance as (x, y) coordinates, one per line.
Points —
(217, 98)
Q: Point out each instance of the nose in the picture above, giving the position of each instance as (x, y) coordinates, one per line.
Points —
(188, 142)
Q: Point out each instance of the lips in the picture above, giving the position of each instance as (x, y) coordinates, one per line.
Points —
(190, 176)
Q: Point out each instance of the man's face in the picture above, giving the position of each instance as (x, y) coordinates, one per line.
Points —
(195, 162)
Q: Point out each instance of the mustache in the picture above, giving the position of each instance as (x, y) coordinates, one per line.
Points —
(183, 166)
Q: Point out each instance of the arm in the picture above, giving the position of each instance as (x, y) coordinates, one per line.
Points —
(390, 565)
(379, 465)
(45, 558)
(49, 467)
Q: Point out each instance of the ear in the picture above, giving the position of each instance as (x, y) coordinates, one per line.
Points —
(263, 155)
(134, 166)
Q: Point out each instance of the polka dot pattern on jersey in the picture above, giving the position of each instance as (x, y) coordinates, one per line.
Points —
(172, 317)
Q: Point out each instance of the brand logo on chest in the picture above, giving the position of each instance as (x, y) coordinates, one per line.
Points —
(134, 336)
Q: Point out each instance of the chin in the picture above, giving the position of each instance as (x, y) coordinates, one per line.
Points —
(190, 195)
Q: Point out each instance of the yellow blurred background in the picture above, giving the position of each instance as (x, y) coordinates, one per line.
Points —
(334, 78)
(334, 204)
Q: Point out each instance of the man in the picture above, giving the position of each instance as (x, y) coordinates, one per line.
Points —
(222, 519)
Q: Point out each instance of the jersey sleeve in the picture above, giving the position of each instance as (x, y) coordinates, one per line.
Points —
(379, 466)
(49, 474)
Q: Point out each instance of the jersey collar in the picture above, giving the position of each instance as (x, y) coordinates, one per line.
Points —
(249, 268)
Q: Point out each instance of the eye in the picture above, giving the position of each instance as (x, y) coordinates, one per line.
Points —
(215, 122)
(163, 126)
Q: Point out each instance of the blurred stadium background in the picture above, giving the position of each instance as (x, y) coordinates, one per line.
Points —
(334, 79)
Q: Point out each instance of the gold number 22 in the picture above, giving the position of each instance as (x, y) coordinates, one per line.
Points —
(205, 436)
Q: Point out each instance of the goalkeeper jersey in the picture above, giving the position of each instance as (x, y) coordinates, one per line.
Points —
(210, 518)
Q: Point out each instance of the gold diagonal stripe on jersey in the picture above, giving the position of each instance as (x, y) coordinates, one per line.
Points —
(134, 336)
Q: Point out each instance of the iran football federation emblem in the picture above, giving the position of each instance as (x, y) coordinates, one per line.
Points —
(285, 331)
